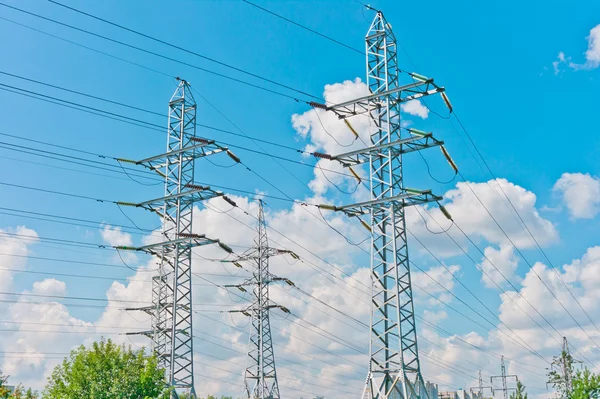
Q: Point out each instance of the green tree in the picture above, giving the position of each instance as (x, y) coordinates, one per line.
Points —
(106, 371)
(18, 393)
(586, 385)
(519, 392)
(4, 392)
(562, 383)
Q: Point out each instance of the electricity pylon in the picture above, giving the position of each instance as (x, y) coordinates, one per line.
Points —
(504, 377)
(260, 377)
(561, 370)
(394, 367)
(171, 309)
(479, 389)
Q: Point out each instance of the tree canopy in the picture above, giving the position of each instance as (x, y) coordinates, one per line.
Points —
(519, 392)
(19, 391)
(106, 371)
(586, 385)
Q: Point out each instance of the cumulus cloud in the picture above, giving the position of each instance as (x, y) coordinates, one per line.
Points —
(115, 236)
(433, 284)
(592, 55)
(580, 193)
(13, 253)
(50, 286)
(463, 203)
(414, 107)
(498, 265)
(327, 133)
(330, 273)
(40, 329)
(465, 206)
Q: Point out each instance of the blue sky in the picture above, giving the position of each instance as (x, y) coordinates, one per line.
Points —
(530, 122)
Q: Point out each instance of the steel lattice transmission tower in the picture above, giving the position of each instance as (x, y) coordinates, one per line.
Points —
(562, 370)
(171, 309)
(504, 378)
(260, 377)
(477, 392)
(394, 367)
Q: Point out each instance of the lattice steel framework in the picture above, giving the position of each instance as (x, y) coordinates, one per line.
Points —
(171, 311)
(394, 368)
(260, 377)
(504, 378)
(562, 369)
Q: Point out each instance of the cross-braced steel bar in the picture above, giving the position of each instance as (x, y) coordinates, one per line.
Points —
(260, 377)
(172, 337)
(394, 367)
(504, 378)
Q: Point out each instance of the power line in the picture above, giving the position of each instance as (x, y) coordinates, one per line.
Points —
(164, 56)
(362, 53)
(503, 276)
(492, 280)
(530, 233)
(227, 276)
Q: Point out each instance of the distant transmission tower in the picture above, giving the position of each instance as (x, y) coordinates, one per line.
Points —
(504, 377)
(260, 378)
(561, 373)
(394, 368)
(479, 389)
(171, 309)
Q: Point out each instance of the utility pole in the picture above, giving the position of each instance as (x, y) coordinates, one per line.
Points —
(504, 378)
(561, 372)
(480, 388)
(171, 309)
(260, 377)
(394, 367)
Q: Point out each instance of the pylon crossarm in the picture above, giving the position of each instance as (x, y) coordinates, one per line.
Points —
(410, 197)
(194, 194)
(245, 312)
(398, 147)
(366, 104)
(148, 309)
(148, 334)
(202, 148)
(241, 287)
(284, 279)
(253, 254)
(190, 241)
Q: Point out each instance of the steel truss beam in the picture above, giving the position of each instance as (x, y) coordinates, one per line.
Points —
(171, 310)
(260, 377)
(394, 367)
(396, 148)
(382, 98)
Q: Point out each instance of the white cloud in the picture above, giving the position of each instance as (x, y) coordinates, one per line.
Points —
(50, 286)
(499, 265)
(463, 203)
(436, 281)
(592, 54)
(465, 207)
(580, 193)
(115, 237)
(13, 252)
(343, 282)
(414, 107)
(40, 328)
(327, 133)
